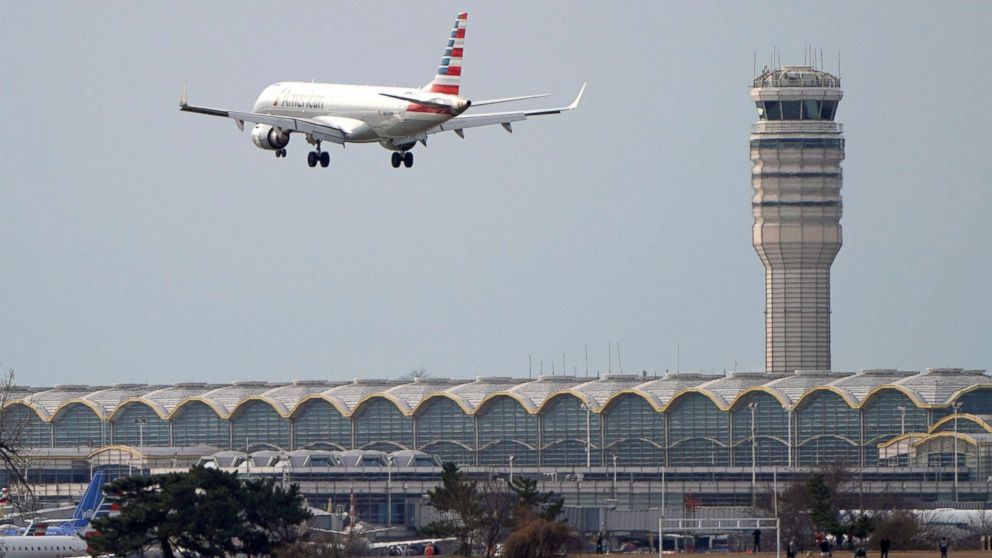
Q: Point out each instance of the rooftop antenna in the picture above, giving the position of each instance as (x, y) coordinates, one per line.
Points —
(609, 348)
(542, 367)
(530, 365)
(587, 359)
(838, 63)
(754, 65)
(821, 57)
(552, 367)
(564, 370)
(619, 358)
(678, 365)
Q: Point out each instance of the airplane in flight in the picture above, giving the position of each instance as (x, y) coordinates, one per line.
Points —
(395, 117)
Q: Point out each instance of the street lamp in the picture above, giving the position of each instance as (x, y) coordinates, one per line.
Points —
(902, 419)
(614, 475)
(957, 409)
(511, 458)
(754, 454)
(588, 411)
(389, 491)
(141, 421)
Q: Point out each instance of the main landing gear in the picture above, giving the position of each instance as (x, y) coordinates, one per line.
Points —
(280, 153)
(318, 156)
(405, 159)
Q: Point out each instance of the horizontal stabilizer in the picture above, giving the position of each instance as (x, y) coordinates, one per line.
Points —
(507, 99)
(433, 103)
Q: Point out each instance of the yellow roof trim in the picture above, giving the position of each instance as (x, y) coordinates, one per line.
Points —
(843, 394)
(527, 405)
(92, 406)
(651, 400)
(912, 395)
(221, 413)
(158, 409)
(278, 407)
(779, 396)
(462, 404)
(400, 405)
(38, 409)
(569, 391)
(685, 392)
(334, 402)
(966, 416)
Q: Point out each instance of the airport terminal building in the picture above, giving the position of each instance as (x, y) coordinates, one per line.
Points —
(929, 432)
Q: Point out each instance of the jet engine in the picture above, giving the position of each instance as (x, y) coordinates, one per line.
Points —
(269, 137)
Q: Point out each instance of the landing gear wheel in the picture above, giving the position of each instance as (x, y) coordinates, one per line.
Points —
(325, 159)
(397, 159)
(408, 159)
(312, 158)
(280, 153)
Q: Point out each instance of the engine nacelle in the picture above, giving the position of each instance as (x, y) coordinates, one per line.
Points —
(268, 137)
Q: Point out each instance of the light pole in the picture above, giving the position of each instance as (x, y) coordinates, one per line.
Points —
(902, 419)
(511, 457)
(957, 408)
(389, 491)
(141, 421)
(614, 475)
(588, 411)
(754, 454)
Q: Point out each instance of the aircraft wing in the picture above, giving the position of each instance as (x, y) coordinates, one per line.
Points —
(504, 119)
(320, 130)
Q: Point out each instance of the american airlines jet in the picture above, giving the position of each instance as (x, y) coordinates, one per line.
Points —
(395, 117)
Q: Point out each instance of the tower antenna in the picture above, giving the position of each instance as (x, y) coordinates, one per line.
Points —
(609, 348)
(530, 365)
(619, 358)
(587, 359)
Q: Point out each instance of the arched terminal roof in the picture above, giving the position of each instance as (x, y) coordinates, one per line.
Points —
(725, 391)
(937, 386)
(472, 394)
(48, 401)
(226, 399)
(347, 397)
(408, 396)
(532, 395)
(285, 399)
(860, 386)
(165, 400)
(105, 401)
(599, 391)
(659, 393)
(794, 387)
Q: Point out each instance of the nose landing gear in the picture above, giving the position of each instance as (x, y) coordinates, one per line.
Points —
(405, 159)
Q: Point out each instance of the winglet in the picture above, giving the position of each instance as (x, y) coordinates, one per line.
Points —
(575, 103)
(183, 100)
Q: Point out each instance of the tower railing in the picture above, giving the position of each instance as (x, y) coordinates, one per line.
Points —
(798, 126)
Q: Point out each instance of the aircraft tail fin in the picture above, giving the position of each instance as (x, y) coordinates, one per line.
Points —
(449, 73)
(90, 501)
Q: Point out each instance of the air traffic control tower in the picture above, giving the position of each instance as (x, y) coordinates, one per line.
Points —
(796, 148)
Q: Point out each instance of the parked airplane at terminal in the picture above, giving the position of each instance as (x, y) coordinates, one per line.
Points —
(91, 504)
(395, 117)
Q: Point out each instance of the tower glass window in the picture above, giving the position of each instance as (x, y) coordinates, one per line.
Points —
(318, 424)
(635, 432)
(256, 423)
(138, 425)
(444, 429)
(77, 425)
(196, 423)
(379, 425)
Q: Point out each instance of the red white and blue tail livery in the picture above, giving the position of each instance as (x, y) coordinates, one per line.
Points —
(395, 117)
(449, 74)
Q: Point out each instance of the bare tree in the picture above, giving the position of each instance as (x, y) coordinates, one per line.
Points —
(13, 431)
(497, 511)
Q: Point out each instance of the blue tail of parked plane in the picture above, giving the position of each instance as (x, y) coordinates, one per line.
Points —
(91, 505)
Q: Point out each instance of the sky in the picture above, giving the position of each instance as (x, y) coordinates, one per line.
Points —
(141, 244)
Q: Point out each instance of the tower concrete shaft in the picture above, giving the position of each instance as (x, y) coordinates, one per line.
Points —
(796, 148)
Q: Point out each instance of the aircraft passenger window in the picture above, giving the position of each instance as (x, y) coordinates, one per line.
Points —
(790, 110)
(811, 110)
(774, 110)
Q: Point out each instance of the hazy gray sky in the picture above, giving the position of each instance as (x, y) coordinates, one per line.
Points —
(139, 244)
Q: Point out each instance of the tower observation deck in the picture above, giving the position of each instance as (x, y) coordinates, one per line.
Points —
(796, 148)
